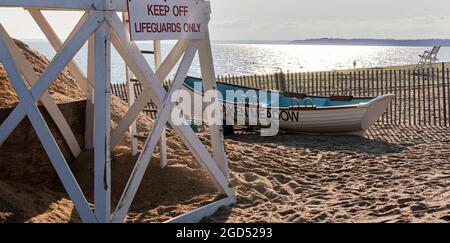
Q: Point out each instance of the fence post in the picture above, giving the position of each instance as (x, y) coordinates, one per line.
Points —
(317, 81)
(320, 85)
(419, 99)
(314, 83)
(414, 98)
(404, 97)
(286, 82)
(438, 82)
(381, 93)
(434, 96)
(390, 91)
(396, 96)
(424, 95)
(328, 84)
(444, 95)
(429, 96)
(258, 79)
(366, 79)
(282, 81)
(409, 97)
(448, 95)
(378, 83)
(277, 81)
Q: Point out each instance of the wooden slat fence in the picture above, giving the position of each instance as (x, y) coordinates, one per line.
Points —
(422, 97)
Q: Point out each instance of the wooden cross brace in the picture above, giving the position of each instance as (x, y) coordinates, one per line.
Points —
(30, 98)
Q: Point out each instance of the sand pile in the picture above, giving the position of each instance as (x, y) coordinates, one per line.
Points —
(64, 89)
(33, 166)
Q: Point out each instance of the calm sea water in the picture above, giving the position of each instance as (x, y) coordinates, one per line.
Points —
(249, 59)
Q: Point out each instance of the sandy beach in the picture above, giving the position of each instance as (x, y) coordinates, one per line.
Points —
(393, 174)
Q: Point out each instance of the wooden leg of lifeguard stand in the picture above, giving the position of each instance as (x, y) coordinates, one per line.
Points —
(163, 141)
(131, 95)
(102, 125)
(209, 80)
(89, 123)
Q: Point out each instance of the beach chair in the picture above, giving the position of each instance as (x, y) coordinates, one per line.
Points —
(428, 59)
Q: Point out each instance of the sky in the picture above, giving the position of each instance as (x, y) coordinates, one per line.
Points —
(290, 19)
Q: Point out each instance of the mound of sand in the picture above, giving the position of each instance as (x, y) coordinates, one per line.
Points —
(34, 166)
(64, 89)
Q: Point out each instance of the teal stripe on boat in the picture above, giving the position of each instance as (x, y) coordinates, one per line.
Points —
(284, 101)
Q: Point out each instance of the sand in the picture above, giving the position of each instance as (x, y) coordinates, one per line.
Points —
(64, 89)
(393, 174)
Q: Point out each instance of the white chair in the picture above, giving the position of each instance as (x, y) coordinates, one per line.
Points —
(428, 59)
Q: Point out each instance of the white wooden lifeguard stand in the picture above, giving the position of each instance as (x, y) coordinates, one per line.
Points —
(100, 26)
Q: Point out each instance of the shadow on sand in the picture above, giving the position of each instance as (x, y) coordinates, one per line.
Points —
(324, 142)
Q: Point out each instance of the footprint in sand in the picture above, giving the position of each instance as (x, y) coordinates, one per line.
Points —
(446, 218)
(282, 179)
(407, 200)
(418, 207)
(386, 209)
(287, 212)
(250, 177)
(321, 217)
(283, 190)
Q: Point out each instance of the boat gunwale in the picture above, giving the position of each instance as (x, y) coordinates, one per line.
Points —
(322, 108)
(277, 91)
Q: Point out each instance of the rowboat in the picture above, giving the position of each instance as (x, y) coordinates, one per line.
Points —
(297, 112)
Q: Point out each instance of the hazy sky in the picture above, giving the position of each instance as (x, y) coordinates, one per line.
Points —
(292, 19)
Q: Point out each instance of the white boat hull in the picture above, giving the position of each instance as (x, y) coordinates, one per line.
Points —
(351, 119)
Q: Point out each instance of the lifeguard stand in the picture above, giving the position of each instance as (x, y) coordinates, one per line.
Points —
(100, 26)
(428, 59)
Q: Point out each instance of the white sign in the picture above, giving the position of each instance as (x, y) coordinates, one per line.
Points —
(168, 19)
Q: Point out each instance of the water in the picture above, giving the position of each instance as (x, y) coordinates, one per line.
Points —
(249, 59)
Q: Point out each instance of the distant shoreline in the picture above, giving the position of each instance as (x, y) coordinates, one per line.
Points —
(347, 42)
(374, 42)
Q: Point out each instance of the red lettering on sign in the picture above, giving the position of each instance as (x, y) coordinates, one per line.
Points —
(180, 10)
(157, 27)
(158, 10)
(191, 27)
